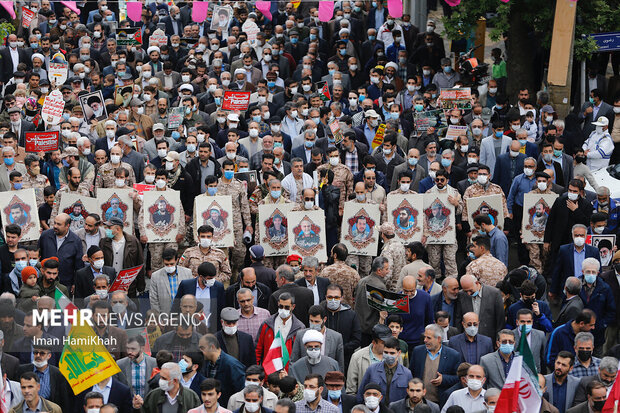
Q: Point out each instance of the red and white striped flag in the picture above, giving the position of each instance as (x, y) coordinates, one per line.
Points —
(519, 394)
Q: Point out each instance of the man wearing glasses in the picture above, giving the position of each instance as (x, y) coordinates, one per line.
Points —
(435, 251)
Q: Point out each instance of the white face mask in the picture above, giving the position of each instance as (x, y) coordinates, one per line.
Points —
(115, 159)
(404, 187)
(40, 364)
(483, 179)
(309, 395)
(284, 313)
(102, 294)
(119, 182)
(149, 179)
(161, 184)
(110, 134)
(229, 330)
(165, 385)
(579, 241)
(333, 161)
(371, 402)
(210, 282)
(308, 204)
(572, 196)
(169, 166)
(542, 186)
(474, 384)
(528, 171)
(170, 269)
(252, 407)
(205, 242)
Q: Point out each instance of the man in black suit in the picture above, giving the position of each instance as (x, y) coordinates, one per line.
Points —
(19, 126)
(334, 381)
(303, 297)
(10, 57)
(85, 277)
(318, 285)
(228, 335)
(593, 110)
(173, 22)
(573, 304)
(54, 386)
(9, 363)
(611, 278)
(247, 279)
(490, 306)
(118, 394)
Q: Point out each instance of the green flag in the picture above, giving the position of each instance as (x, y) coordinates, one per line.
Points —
(526, 352)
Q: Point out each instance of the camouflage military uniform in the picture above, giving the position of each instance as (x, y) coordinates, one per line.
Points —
(105, 175)
(241, 212)
(261, 193)
(362, 262)
(394, 251)
(38, 182)
(346, 277)
(343, 179)
(538, 256)
(82, 190)
(435, 251)
(270, 262)
(477, 190)
(487, 269)
(156, 249)
(193, 257)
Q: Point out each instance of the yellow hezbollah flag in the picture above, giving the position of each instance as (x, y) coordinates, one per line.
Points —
(85, 361)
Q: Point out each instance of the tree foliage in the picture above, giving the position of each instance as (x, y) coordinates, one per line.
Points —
(593, 16)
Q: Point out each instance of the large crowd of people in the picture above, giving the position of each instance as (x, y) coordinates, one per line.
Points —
(344, 111)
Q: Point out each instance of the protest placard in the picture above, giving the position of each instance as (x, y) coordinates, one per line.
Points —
(124, 279)
(175, 117)
(142, 188)
(27, 16)
(129, 36)
(382, 300)
(378, 139)
(41, 141)
(53, 105)
(459, 98)
(454, 131)
(236, 100)
(59, 68)
(336, 132)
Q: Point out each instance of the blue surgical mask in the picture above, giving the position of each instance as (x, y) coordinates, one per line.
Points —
(506, 348)
(229, 175)
(412, 161)
(218, 101)
(471, 256)
(294, 40)
(109, 233)
(528, 328)
(590, 278)
(361, 98)
(332, 71)
(276, 194)
(20, 265)
(446, 162)
(309, 144)
(334, 394)
(312, 36)
(499, 134)
(176, 135)
(557, 153)
(271, 84)
(244, 170)
(372, 37)
(183, 365)
(447, 69)
(277, 145)
(9, 161)
(211, 191)
(66, 116)
(591, 100)
(476, 294)
(343, 52)
(522, 142)
(188, 110)
(18, 185)
(419, 108)
(33, 262)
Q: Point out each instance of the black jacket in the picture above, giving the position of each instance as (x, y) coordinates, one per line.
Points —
(185, 185)
(329, 198)
(193, 169)
(247, 354)
(60, 391)
(304, 299)
(561, 221)
(84, 280)
(265, 275)
(321, 283)
(262, 300)
(345, 322)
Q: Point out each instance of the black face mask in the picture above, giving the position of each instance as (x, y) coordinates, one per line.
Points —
(581, 159)
(584, 355)
(528, 302)
(617, 267)
(597, 405)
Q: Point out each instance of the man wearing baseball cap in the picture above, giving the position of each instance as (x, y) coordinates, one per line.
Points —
(599, 145)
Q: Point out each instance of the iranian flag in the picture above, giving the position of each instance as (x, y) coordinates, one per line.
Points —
(277, 356)
(611, 405)
(519, 393)
(63, 302)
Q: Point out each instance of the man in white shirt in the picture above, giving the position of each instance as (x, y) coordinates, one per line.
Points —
(471, 398)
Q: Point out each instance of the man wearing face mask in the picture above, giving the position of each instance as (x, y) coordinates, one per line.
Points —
(84, 277)
(312, 400)
(106, 172)
(540, 309)
(606, 374)
(482, 187)
(599, 145)
(604, 204)
(233, 342)
(471, 345)
(570, 257)
(313, 362)
(165, 281)
(585, 364)
(171, 395)
(597, 395)
(193, 257)
(471, 398)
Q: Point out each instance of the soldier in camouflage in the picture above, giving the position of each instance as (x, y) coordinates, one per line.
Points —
(486, 268)
(394, 251)
(483, 187)
(204, 252)
(105, 174)
(73, 187)
(33, 177)
(342, 274)
(343, 178)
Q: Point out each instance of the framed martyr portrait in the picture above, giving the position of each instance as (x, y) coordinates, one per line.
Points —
(20, 208)
(273, 225)
(215, 211)
(78, 207)
(405, 213)
(439, 219)
(360, 228)
(306, 235)
(490, 205)
(536, 208)
(116, 203)
(162, 215)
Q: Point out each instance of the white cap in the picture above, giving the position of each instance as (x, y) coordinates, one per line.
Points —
(186, 86)
(371, 114)
(601, 121)
(152, 49)
(239, 70)
(312, 335)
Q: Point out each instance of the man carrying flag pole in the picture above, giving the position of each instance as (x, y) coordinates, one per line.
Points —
(521, 392)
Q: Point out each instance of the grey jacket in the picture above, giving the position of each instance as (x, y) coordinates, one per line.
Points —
(537, 346)
(368, 316)
(333, 345)
(125, 365)
(160, 295)
(572, 385)
(420, 173)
